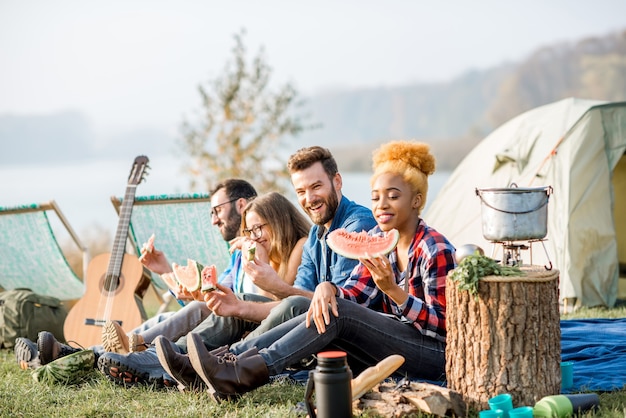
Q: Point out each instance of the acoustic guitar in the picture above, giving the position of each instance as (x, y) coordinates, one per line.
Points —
(115, 282)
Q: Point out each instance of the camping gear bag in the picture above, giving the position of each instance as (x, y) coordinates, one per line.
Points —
(23, 313)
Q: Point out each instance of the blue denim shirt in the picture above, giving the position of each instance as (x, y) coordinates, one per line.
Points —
(231, 276)
(319, 263)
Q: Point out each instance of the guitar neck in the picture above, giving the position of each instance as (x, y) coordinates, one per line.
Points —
(121, 235)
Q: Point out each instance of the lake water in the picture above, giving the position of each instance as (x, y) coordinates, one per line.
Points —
(83, 189)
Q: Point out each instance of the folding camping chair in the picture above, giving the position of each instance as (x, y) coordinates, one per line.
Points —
(30, 256)
(182, 227)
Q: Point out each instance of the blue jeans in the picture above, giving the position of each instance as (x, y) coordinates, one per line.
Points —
(217, 331)
(288, 308)
(364, 334)
(174, 325)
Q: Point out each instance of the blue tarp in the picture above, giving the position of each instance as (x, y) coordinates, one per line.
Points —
(596, 346)
(598, 349)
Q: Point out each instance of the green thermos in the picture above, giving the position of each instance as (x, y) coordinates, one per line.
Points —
(561, 406)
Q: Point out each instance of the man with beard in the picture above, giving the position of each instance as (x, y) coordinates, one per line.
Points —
(318, 183)
(228, 199)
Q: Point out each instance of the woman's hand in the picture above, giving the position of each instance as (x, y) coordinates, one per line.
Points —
(262, 274)
(222, 301)
(260, 253)
(382, 274)
(318, 309)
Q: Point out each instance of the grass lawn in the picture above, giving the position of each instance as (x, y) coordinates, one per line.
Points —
(20, 396)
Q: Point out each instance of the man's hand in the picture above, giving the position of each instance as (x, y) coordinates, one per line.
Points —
(155, 261)
(184, 294)
(318, 310)
(236, 244)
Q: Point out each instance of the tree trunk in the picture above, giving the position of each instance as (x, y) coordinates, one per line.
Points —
(505, 340)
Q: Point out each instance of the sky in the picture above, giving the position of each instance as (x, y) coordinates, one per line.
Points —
(135, 65)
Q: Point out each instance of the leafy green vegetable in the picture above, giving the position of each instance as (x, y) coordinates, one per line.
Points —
(474, 267)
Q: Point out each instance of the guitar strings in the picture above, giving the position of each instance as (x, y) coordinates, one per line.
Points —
(113, 275)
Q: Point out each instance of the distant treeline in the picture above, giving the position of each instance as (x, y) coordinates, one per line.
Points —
(453, 117)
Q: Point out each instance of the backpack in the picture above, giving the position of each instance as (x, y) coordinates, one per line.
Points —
(24, 313)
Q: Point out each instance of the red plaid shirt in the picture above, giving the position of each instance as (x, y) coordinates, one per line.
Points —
(431, 257)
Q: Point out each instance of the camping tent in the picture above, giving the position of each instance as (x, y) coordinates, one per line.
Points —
(578, 148)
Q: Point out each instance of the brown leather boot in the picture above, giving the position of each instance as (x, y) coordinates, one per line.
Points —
(227, 376)
(178, 365)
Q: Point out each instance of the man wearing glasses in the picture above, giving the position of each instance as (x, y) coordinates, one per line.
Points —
(228, 199)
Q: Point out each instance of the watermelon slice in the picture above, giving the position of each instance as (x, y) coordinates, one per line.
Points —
(147, 247)
(209, 278)
(189, 275)
(171, 282)
(251, 252)
(356, 245)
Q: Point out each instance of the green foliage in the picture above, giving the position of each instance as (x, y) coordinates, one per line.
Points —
(474, 267)
(241, 126)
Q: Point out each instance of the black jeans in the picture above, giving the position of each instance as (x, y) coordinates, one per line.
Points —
(367, 336)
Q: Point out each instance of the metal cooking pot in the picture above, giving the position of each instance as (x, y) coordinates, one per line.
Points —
(514, 213)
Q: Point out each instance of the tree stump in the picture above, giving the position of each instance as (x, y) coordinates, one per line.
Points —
(505, 340)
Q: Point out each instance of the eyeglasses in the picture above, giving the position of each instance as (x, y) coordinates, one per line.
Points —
(255, 232)
(216, 212)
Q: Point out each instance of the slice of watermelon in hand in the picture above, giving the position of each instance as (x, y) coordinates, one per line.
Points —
(252, 252)
(357, 245)
(147, 247)
(189, 275)
(209, 278)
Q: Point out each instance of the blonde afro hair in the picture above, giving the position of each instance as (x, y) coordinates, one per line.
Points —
(409, 159)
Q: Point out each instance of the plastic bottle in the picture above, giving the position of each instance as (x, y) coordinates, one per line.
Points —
(561, 406)
(332, 379)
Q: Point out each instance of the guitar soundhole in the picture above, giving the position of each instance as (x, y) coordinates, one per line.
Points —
(111, 284)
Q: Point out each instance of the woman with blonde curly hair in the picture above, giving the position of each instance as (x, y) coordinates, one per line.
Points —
(393, 304)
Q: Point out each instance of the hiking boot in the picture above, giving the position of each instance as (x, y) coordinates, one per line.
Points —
(114, 339)
(136, 343)
(133, 368)
(50, 349)
(26, 353)
(177, 365)
(228, 375)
